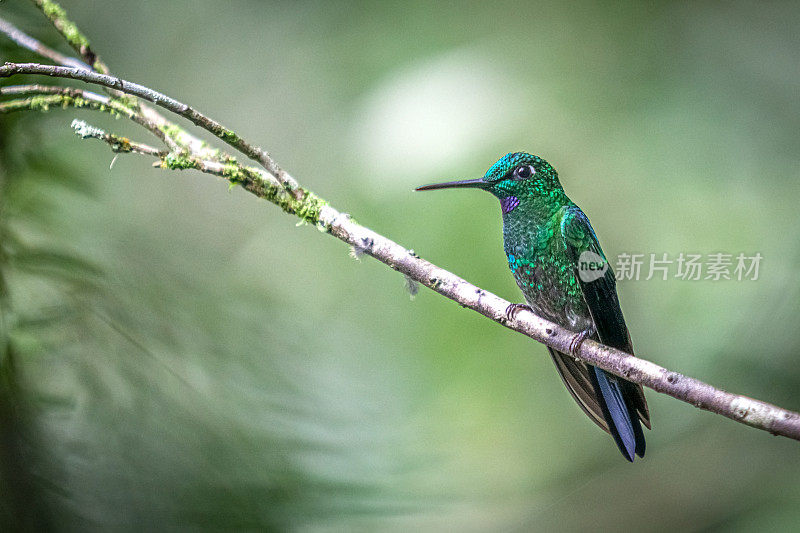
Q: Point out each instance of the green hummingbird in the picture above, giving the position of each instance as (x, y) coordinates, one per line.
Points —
(558, 264)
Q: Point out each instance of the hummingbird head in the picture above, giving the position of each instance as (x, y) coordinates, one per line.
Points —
(514, 177)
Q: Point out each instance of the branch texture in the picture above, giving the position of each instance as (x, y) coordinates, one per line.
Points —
(118, 144)
(229, 136)
(77, 40)
(278, 187)
(33, 45)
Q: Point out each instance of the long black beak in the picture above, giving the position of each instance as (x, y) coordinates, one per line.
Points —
(463, 184)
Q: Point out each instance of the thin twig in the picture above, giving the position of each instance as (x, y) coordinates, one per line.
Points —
(252, 151)
(176, 137)
(157, 124)
(118, 144)
(48, 101)
(312, 209)
(251, 178)
(77, 40)
(53, 96)
(179, 138)
(26, 41)
(36, 88)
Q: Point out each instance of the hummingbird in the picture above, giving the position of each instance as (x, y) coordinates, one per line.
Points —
(558, 264)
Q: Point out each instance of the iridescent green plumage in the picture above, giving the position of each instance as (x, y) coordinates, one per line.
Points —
(547, 239)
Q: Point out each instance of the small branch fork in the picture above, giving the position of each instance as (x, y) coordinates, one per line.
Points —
(118, 145)
(184, 151)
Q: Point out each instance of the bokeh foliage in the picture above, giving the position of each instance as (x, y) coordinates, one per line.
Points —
(177, 355)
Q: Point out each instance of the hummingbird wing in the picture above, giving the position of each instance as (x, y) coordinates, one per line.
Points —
(621, 403)
(577, 376)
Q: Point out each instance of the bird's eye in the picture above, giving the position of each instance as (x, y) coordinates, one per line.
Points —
(524, 172)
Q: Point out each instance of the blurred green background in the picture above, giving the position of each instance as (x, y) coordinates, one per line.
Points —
(179, 356)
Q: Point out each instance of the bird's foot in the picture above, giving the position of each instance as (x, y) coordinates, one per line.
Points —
(513, 309)
(577, 340)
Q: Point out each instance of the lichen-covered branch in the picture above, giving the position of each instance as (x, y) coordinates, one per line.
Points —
(46, 101)
(174, 137)
(229, 136)
(299, 201)
(117, 143)
(277, 187)
(46, 97)
(77, 40)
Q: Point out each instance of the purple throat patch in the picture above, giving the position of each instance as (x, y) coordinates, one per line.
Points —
(508, 204)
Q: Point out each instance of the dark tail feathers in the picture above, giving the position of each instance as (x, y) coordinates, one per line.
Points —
(623, 421)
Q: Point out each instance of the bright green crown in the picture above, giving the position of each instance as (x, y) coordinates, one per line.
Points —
(506, 165)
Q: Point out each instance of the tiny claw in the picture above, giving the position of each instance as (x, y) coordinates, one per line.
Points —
(513, 309)
(577, 340)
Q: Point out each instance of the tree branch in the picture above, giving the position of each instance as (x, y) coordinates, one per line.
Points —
(45, 102)
(284, 192)
(118, 144)
(229, 136)
(26, 41)
(47, 96)
(174, 137)
(58, 17)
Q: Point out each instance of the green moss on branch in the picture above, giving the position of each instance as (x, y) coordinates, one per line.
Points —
(299, 201)
(173, 161)
(77, 40)
(45, 102)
